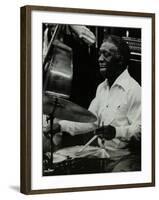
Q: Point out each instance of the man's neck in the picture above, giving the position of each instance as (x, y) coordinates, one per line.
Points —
(111, 79)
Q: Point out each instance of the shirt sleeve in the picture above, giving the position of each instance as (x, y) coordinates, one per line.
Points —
(75, 128)
(133, 116)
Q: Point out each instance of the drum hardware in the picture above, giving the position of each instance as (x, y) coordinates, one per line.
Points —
(51, 119)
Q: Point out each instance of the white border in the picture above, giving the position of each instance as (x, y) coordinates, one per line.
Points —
(52, 182)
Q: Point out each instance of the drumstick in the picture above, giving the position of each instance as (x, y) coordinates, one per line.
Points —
(88, 143)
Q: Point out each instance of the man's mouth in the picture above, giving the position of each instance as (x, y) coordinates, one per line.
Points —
(103, 66)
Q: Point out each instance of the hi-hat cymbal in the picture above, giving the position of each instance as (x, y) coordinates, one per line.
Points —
(66, 110)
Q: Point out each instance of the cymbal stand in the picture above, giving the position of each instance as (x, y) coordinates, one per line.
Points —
(51, 118)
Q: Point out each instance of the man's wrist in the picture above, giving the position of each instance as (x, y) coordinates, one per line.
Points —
(60, 126)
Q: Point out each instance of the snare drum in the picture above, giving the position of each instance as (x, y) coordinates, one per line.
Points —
(72, 160)
(89, 152)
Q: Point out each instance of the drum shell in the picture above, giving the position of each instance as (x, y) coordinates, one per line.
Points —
(79, 166)
(87, 162)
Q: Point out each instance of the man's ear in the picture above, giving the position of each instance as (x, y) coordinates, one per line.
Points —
(120, 59)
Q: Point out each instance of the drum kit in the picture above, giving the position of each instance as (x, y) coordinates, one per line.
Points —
(74, 159)
(63, 160)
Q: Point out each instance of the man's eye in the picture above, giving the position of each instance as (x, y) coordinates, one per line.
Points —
(105, 54)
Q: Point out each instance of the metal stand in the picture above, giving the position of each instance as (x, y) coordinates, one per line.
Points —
(51, 118)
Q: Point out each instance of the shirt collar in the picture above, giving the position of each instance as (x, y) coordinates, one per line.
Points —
(122, 80)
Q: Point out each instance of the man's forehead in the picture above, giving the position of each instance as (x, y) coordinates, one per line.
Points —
(108, 45)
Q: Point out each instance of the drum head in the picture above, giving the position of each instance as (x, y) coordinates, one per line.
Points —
(57, 158)
(75, 152)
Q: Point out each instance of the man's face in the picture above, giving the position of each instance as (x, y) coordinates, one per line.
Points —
(109, 59)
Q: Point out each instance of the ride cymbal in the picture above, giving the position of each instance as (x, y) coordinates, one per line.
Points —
(66, 110)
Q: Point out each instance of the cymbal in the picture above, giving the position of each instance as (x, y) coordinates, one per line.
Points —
(66, 110)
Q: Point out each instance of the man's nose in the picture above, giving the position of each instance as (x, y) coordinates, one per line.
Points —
(101, 58)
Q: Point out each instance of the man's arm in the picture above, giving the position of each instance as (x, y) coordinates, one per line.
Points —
(75, 128)
(134, 117)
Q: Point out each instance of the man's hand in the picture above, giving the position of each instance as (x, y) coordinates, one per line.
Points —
(84, 33)
(56, 129)
(106, 132)
(57, 138)
(57, 134)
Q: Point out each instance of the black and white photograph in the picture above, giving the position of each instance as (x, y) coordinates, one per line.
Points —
(91, 99)
(87, 100)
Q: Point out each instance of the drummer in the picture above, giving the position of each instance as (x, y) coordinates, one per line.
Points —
(117, 105)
